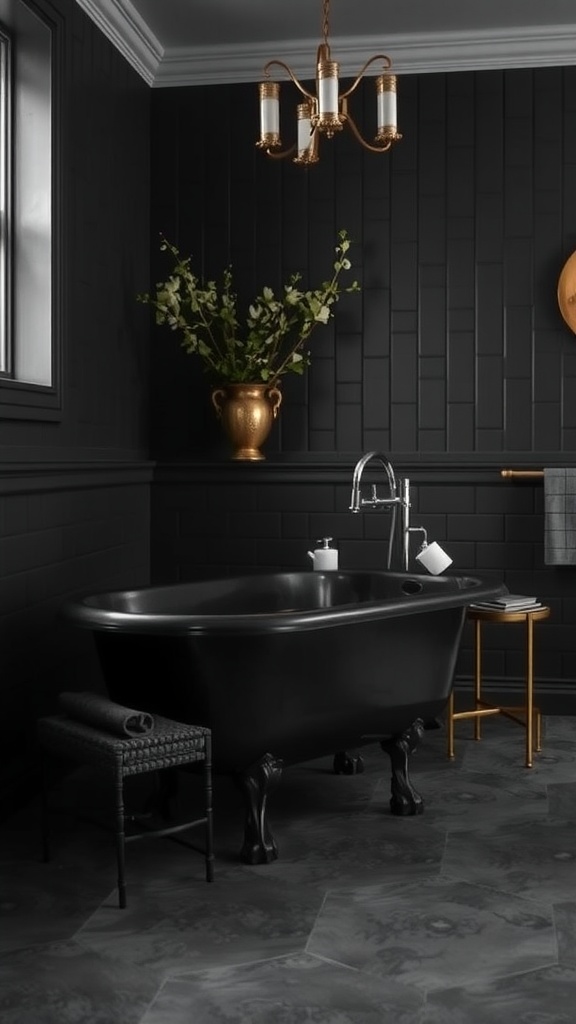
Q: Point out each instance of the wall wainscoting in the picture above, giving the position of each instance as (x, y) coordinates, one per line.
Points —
(225, 518)
(65, 528)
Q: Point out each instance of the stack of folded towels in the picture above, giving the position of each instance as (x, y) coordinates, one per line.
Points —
(510, 603)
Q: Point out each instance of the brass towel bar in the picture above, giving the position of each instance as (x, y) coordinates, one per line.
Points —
(522, 474)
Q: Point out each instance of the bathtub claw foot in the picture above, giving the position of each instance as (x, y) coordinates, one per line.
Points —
(257, 782)
(404, 800)
(348, 762)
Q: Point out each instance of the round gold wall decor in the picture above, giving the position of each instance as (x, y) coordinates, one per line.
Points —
(567, 292)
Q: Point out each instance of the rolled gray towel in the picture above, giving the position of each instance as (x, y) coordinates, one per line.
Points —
(105, 714)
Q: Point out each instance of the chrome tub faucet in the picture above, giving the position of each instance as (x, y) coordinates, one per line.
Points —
(399, 498)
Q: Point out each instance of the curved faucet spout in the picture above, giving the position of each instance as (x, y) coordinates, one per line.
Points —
(399, 500)
(392, 503)
(356, 497)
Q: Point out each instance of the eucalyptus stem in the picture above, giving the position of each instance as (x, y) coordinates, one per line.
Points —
(276, 328)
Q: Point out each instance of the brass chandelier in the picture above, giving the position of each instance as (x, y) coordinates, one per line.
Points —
(326, 112)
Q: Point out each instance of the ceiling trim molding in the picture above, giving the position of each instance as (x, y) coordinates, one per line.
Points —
(412, 53)
(487, 50)
(126, 29)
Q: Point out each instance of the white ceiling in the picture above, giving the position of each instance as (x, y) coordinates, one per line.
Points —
(199, 42)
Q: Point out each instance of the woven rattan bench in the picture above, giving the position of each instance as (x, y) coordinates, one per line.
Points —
(169, 745)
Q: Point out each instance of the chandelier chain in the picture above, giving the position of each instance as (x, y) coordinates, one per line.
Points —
(325, 21)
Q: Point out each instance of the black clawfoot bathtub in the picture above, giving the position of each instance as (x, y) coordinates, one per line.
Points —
(286, 667)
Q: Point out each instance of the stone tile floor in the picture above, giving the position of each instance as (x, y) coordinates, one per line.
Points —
(464, 915)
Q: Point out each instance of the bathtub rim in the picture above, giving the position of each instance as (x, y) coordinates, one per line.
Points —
(84, 612)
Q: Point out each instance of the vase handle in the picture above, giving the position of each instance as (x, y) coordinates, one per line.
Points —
(275, 396)
(217, 396)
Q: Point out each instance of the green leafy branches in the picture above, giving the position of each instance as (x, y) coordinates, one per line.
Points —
(272, 341)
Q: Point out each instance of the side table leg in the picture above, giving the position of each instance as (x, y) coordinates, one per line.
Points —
(529, 688)
(477, 677)
(538, 731)
(451, 726)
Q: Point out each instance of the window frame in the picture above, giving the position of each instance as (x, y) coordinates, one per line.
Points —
(22, 399)
(6, 340)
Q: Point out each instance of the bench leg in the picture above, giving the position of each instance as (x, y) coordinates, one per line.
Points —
(208, 804)
(120, 840)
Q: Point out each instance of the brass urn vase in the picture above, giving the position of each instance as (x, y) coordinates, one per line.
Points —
(247, 412)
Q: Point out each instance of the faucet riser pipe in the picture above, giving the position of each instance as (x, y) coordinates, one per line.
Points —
(405, 522)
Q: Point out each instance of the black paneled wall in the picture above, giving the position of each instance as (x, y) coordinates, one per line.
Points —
(455, 345)
(453, 359)
(75, 491)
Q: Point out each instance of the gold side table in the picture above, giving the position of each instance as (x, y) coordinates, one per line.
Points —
(526, 715)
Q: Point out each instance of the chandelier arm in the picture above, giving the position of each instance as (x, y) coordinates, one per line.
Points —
(290, 73)
(378, 56)
(275, 155)
(356, 133)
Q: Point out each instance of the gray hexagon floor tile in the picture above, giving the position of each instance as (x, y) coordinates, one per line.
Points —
(562, 801)
(544, 996)
(171, 929)
(331, 852)
(48, 902)
(450, 797)
(289, 990)
(62, 983)
(555, 763)
(536, 860)
(434, 934)
(565, 918)
(560, 727)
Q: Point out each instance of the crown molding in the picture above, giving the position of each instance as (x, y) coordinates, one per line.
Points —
(543, 46)
(410, 54)
(126, 29)
(413, 53)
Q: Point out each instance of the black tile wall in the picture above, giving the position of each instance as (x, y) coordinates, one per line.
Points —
(460, 232)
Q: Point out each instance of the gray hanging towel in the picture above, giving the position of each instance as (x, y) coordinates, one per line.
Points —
(560, 516)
